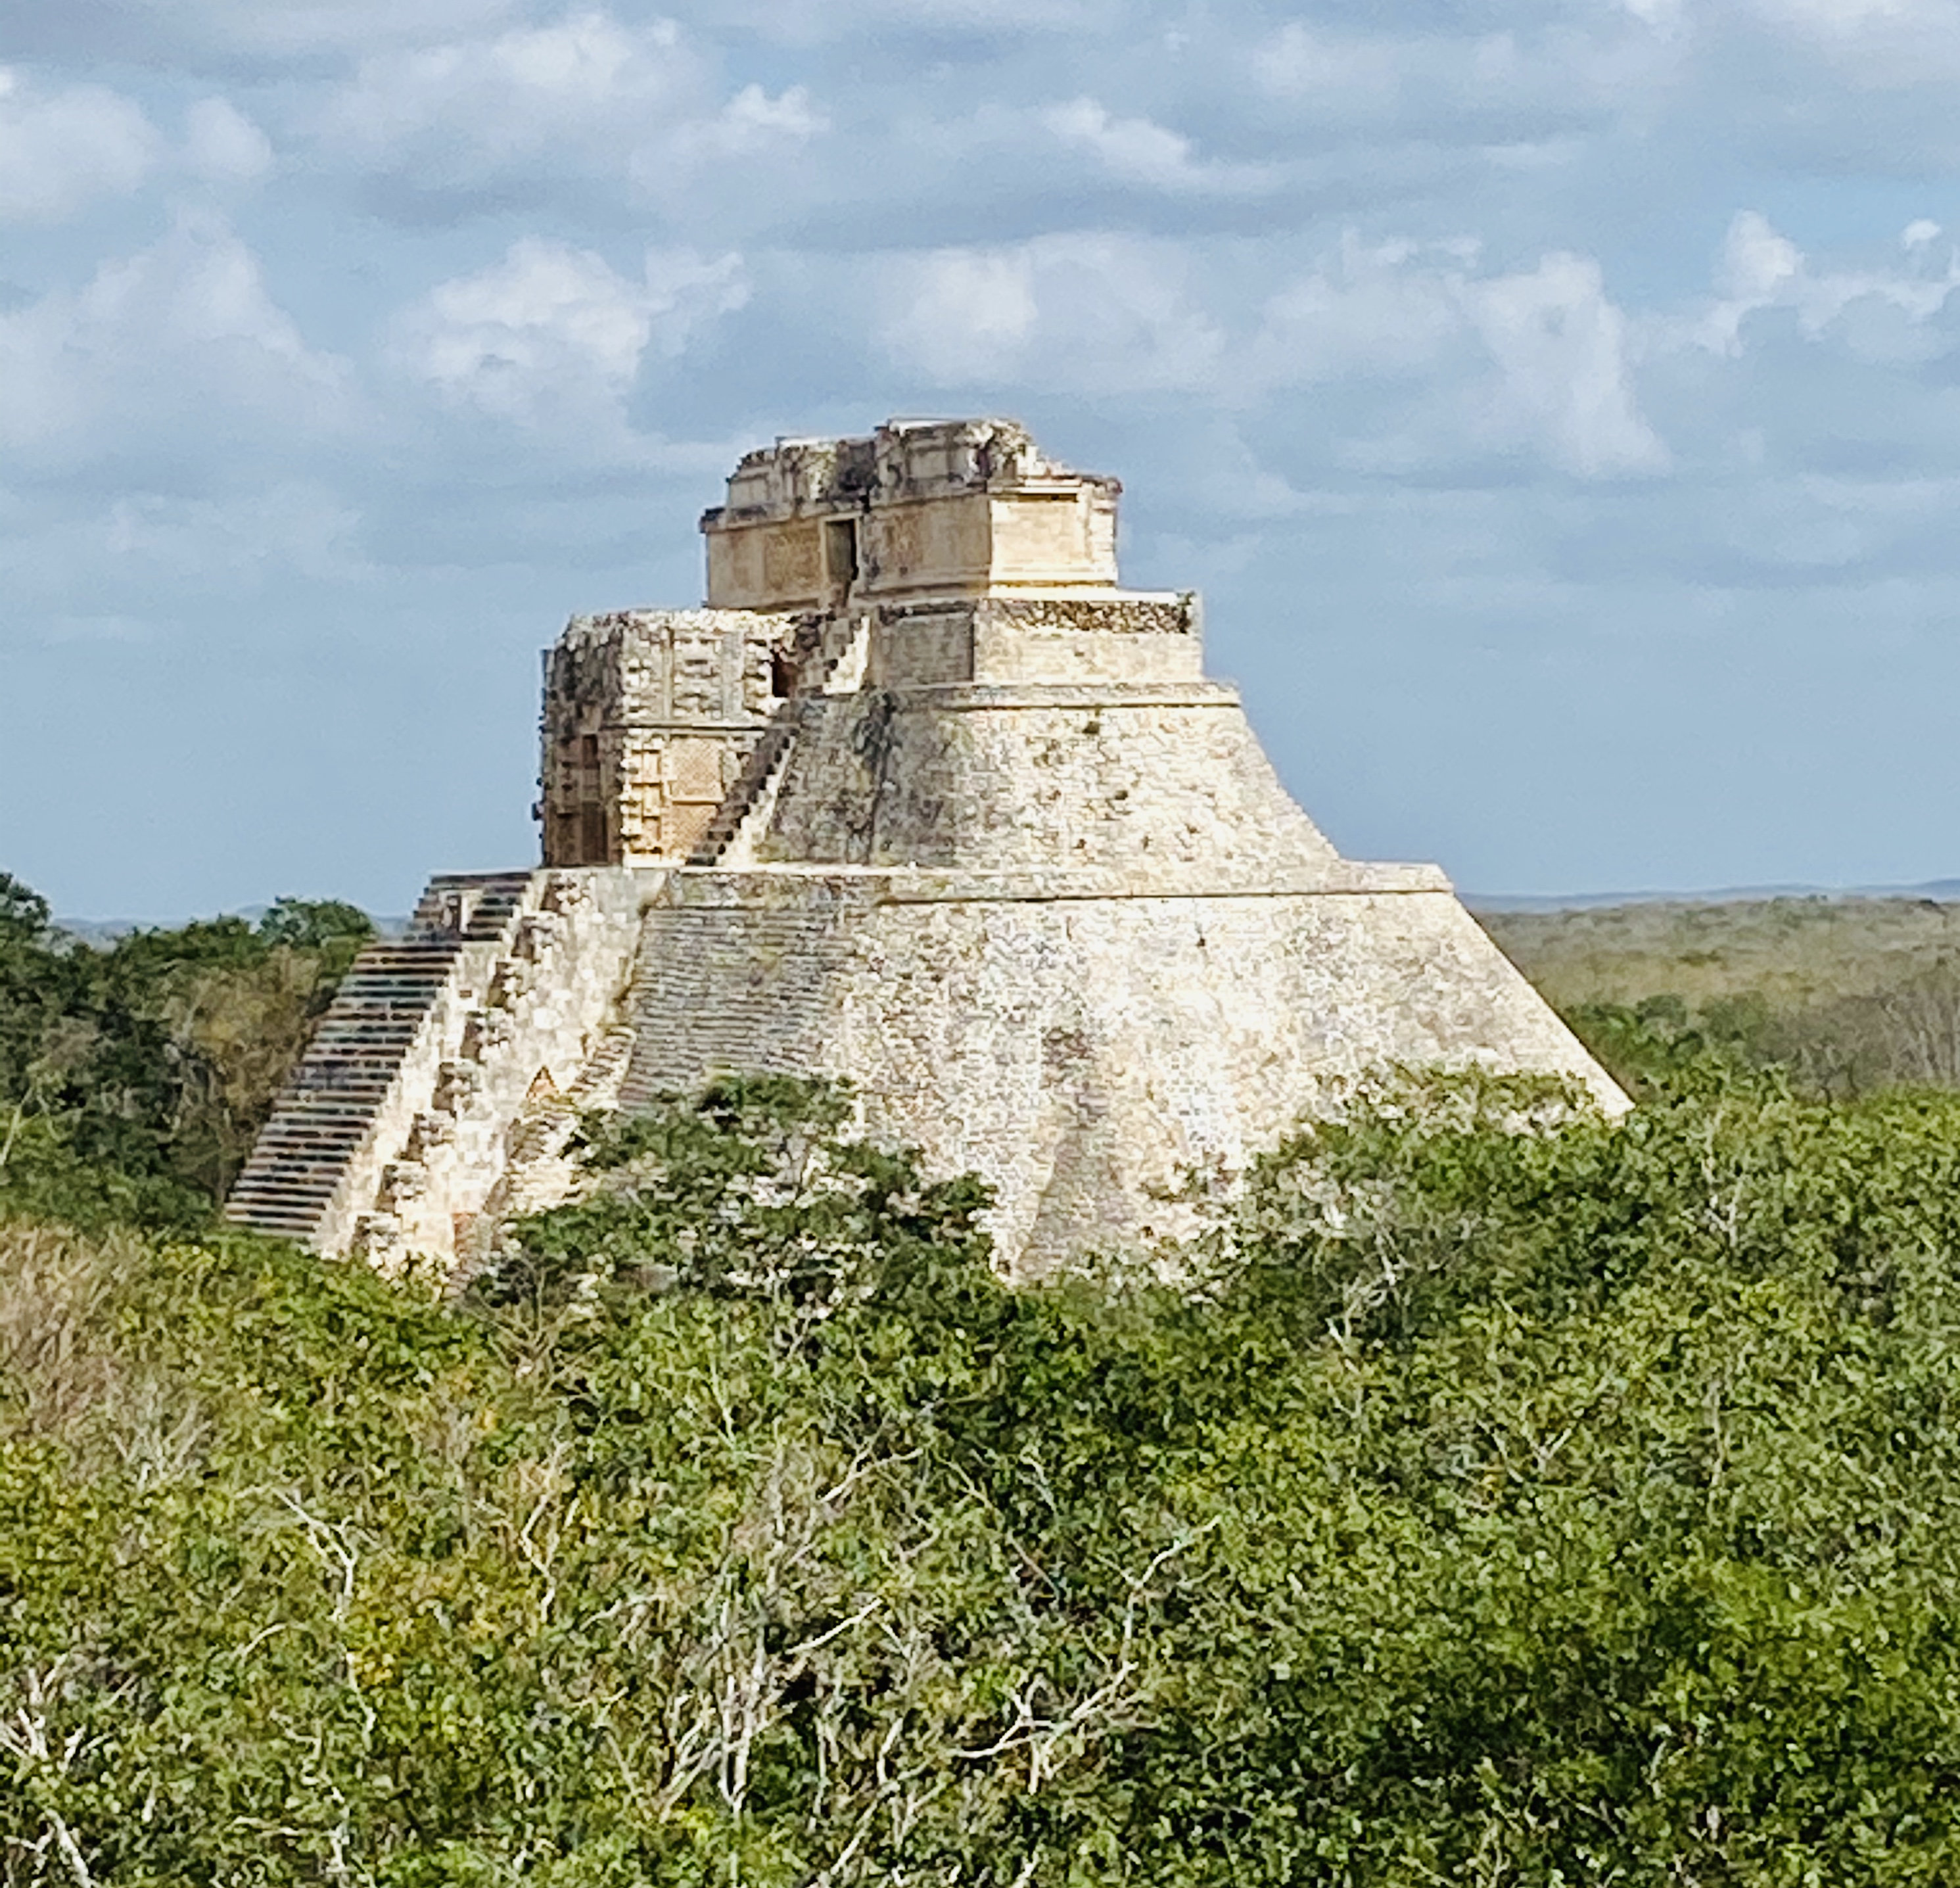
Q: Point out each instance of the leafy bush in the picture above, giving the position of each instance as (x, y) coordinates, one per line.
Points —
(1504, 1496)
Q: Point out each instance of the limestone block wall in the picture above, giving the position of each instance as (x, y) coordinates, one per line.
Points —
(1009, 778)
(1068, 637)
(921, 645)
(940, 543)
(741, 972)
(1058, 533)
(931, 506)
(1071, 636)
(921, 459)
(669, 783)
(795, 474)
(1085, 1054)
(1081, 1047)
(774, 564)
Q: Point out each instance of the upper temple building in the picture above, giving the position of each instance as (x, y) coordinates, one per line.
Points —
(922, 796)
(919, 508)
(932, 554)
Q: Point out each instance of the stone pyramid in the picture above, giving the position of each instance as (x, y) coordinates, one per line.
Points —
(922, 797)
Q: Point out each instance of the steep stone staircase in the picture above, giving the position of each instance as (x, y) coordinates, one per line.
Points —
(418, 1118)
(837, 662)
(337, 1098)
(748, 801)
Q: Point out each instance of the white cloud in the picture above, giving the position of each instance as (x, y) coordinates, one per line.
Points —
(1593, 64)
(1815, 525)
(1664, 16)
(177, 342)
(1301, 60)
(1757, 264)
(1426, 362)
(1561, 349)
(1538, 358)
(668, 162)
(1137, 150)
(98, 628)
(752, 120)
(290, 526)
(61, 149)
(964, 315)
(1389, 308)
(551, 327)
(1841, 19)
(300, 29)
(811, 22)
(223, 146)
(500, 98)
(1093, 311)
(588, 93)
(1894, 45)
(1761, 269)
(142, 549)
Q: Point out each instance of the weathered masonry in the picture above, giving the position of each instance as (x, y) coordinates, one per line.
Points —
(922, 796)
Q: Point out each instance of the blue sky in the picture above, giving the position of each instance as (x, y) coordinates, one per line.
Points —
(1558, 403)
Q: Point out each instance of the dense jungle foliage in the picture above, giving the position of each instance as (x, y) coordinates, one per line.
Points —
(133, 1077)
(1507, 1497)
(1496, 1495)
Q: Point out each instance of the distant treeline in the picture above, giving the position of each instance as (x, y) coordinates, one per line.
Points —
(1849, 995)
(134, 1075)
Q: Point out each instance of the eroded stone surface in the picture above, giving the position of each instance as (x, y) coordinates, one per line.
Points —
(1082, 1046)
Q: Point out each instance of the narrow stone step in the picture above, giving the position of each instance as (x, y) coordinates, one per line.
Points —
(487, 901)
(764, 762)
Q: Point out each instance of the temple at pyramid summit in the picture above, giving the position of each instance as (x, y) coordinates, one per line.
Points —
(922, 796)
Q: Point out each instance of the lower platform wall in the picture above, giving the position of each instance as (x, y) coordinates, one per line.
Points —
(1082, 1054)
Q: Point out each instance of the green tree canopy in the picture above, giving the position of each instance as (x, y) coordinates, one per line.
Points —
(134, 1076)
(1499, 1495)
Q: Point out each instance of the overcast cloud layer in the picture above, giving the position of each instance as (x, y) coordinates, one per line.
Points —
(1558, 403)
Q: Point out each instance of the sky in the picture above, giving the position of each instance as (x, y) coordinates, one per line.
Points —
(1558, 403)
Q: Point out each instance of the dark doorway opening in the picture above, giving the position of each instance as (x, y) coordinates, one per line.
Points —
(840, 552)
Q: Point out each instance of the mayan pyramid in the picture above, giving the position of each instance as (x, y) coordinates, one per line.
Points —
(923, 797)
